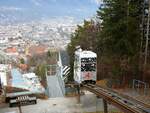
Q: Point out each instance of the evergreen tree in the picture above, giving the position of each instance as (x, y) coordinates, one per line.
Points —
(40, 71)
(115, 37)
(120, 35)
(120, 27)
(22, 61)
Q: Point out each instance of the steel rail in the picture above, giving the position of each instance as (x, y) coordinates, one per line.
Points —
(116, 101)
(127, 97)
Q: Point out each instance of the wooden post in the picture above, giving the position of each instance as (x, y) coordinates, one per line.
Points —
(105, 106)
(78, 89)
(19, 106)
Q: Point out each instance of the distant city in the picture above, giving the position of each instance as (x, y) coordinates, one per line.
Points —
(53, 33)
(22, 44)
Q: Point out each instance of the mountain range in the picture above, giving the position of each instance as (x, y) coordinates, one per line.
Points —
(16, 11)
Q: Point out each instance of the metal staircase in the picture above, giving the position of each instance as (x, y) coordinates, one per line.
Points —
(55, 83)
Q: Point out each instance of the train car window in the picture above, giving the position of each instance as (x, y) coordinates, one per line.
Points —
(88, 64)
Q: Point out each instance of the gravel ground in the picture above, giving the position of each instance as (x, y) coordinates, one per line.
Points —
(88, 103)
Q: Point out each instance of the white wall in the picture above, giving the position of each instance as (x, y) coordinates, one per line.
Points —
(3, 77)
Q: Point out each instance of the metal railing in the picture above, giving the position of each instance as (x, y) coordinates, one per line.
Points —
(137, 84)
(60, 80)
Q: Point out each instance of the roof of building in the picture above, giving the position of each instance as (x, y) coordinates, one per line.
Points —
(29, 75)
(23, 66)
(17, 79)
(85, 54)
(3, 67)
(11, 50)
(37, 49)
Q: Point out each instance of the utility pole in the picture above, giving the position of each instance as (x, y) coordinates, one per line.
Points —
(147, 36)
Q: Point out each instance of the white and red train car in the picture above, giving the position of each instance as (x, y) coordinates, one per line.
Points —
(85, 70)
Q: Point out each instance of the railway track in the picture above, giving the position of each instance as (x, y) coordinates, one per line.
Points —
(125, 104)
(128, 97)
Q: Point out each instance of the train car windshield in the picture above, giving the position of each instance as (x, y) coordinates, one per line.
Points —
(88, 64)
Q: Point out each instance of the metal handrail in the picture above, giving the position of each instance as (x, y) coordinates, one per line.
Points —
(60, 80)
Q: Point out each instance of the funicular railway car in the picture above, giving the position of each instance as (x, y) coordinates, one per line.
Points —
(85, 70)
